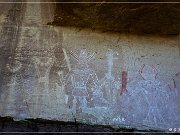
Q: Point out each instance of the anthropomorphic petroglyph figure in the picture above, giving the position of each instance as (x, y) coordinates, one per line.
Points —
(43, 63)
(149, 94)
(109, 85)
(154, 94)
(80, 83)
(15, 66)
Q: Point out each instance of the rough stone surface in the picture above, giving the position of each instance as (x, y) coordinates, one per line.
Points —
(86, 76)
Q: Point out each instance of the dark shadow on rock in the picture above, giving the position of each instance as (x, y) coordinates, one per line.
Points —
(136, 18)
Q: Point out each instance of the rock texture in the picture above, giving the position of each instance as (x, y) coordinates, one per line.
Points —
(84, 76)
(134, 18)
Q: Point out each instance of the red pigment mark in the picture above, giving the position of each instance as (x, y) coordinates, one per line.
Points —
(124, 81)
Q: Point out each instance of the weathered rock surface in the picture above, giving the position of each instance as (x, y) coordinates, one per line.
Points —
(70, 74)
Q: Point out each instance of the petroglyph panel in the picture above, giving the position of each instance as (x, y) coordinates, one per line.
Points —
(64, 82)
(72, 74)
(132, 87)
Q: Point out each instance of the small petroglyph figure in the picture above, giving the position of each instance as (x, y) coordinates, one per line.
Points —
(105, 95)
(80, 82)
(108, 84)
(153, 92)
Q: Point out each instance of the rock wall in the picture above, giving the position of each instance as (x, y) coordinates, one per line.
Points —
(67, 74)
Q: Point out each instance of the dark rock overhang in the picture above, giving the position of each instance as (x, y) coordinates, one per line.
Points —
(136, 18)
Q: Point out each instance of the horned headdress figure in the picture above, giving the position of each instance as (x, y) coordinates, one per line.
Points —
(81, 81)
(83, 58)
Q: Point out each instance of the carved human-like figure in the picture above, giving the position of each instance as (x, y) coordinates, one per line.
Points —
(80, 83)
(146, 99)
(43, 62)
(154, 94)
(109, 84)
